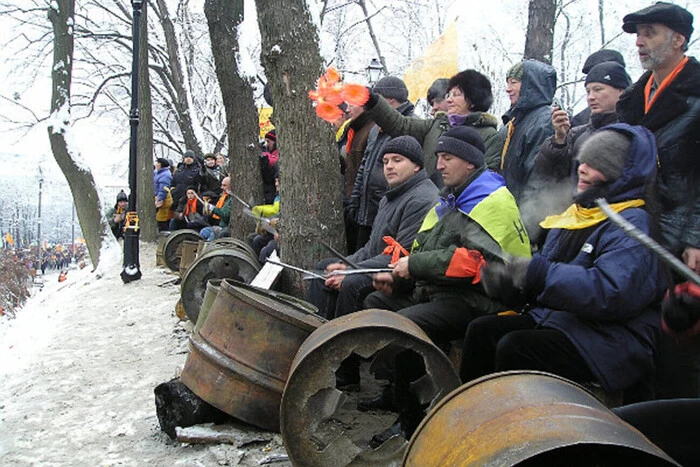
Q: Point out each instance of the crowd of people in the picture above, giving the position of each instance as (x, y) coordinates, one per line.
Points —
(492, 229)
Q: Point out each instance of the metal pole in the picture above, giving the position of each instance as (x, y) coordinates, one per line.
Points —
(72, 234)
(38, 224)
(132, 269)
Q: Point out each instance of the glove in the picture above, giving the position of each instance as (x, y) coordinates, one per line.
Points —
(506, 282)
(681, 311)
(372, 101)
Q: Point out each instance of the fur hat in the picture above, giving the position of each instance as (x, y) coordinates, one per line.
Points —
(476, 88)
(516, 71)
(611, 73)
(606, 151)
(163, 162)
(392, 87)
(670, 15)
(600, 56)
(121, 196)
(407, 146)
(463, 142)
(437, 90)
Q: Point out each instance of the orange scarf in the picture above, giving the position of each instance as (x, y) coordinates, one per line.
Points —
(393, 248)
(664, 84)
(220, 204)
(191, 207)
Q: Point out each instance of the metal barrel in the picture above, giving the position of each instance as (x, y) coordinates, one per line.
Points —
(210, 294)
(240, 359)
(189, 254)
(230, 242)
(162, 237)
(527, 418)
(172, 249)
(220, 263)
(312, 406)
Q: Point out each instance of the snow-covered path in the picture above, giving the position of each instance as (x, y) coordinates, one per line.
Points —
(77, 371)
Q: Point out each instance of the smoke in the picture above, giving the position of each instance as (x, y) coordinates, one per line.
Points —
(545, 199)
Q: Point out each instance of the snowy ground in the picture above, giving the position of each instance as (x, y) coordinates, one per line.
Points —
(77, 371)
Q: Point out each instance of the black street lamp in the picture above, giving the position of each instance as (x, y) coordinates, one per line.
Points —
(132, 269)
(374, 71)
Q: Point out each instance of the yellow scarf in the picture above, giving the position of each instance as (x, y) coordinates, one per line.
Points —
(577, 217)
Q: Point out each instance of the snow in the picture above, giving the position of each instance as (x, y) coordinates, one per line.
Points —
(248, 42)
(78, 366)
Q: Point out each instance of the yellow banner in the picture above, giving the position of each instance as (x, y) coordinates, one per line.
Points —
(266, 125)
(438, 61)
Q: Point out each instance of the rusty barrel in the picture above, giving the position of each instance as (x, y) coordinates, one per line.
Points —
(240, 359)
(229, 242)
(312, 406)
(219, 263)
(527, 418)
(172, 249)
(189, 254)
(162, 237)
(210, 294)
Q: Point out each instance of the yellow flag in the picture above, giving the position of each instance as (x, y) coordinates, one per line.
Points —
(264, 120)
(438, 61)
(9, 239)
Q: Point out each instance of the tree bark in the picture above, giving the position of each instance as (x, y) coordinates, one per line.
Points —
(145, 193)
(310, 189)
(223, 18)
(539, 42)
(183, 113)
(79, 177)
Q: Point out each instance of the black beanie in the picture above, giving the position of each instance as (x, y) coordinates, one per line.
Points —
(121, 196)
(407, 146)
(600, 56)
(610, 73)
(392, 87)
(163, 162)
(606, 151)
(463, 142)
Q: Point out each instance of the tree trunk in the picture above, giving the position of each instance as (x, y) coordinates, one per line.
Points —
(79, 177)
(539, 42)
(310, 175)
(177, 81)
(145, 194)
(223, 18)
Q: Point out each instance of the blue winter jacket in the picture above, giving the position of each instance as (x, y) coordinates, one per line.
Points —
(606, 299)
(161, 179)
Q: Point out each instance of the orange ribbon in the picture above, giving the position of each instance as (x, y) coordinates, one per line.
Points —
(393, 248)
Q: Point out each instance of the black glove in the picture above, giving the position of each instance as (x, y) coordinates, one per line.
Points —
(373, 99)
(505, 282)
(681, 310)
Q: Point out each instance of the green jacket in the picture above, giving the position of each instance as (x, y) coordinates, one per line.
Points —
(428, 131)
(466, 219)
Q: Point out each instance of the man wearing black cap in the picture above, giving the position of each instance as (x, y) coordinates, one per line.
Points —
(186, 175)
(438, 285)
(370, 184)
(666, 100)
(409, 198)
(599, 56)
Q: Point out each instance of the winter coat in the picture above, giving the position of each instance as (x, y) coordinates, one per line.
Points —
(428, 131)
(162, 178)
(211, 179)
(675, 121)
(370, 184)
(194, 219)
(223, 212)
(479, 215)
(605, 299)
(530, 122)
(401, 212)
(269, 171)
(357, 134)
(184, 176)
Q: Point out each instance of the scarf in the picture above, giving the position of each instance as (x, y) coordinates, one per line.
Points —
(191, 206)
(666, 83)
(456, 120)
(482, 186)
(577, 217)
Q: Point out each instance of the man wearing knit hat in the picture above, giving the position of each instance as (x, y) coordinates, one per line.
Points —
(599, 56)
(409, 198)
(438, 285)
(530, 87)
(666, 100)
(370, 183)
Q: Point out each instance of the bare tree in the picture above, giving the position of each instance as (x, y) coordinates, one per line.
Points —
(310, 175)
(539, 40)
(224, 17)
(79, 177)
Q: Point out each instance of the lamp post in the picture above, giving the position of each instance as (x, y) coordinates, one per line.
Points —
(38, 223)
(374, 71)
(132, 269)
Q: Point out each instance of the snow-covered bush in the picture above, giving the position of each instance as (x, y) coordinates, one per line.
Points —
(15, 281)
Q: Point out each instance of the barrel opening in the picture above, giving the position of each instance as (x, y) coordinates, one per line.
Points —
(584, 455)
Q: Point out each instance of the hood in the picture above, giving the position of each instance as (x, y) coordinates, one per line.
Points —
(536, 89)
(639, 169)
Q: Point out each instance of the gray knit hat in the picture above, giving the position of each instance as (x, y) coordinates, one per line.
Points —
(407, 146)
(606, 151)
(463, 142)
(516, 71)
(392, 87)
